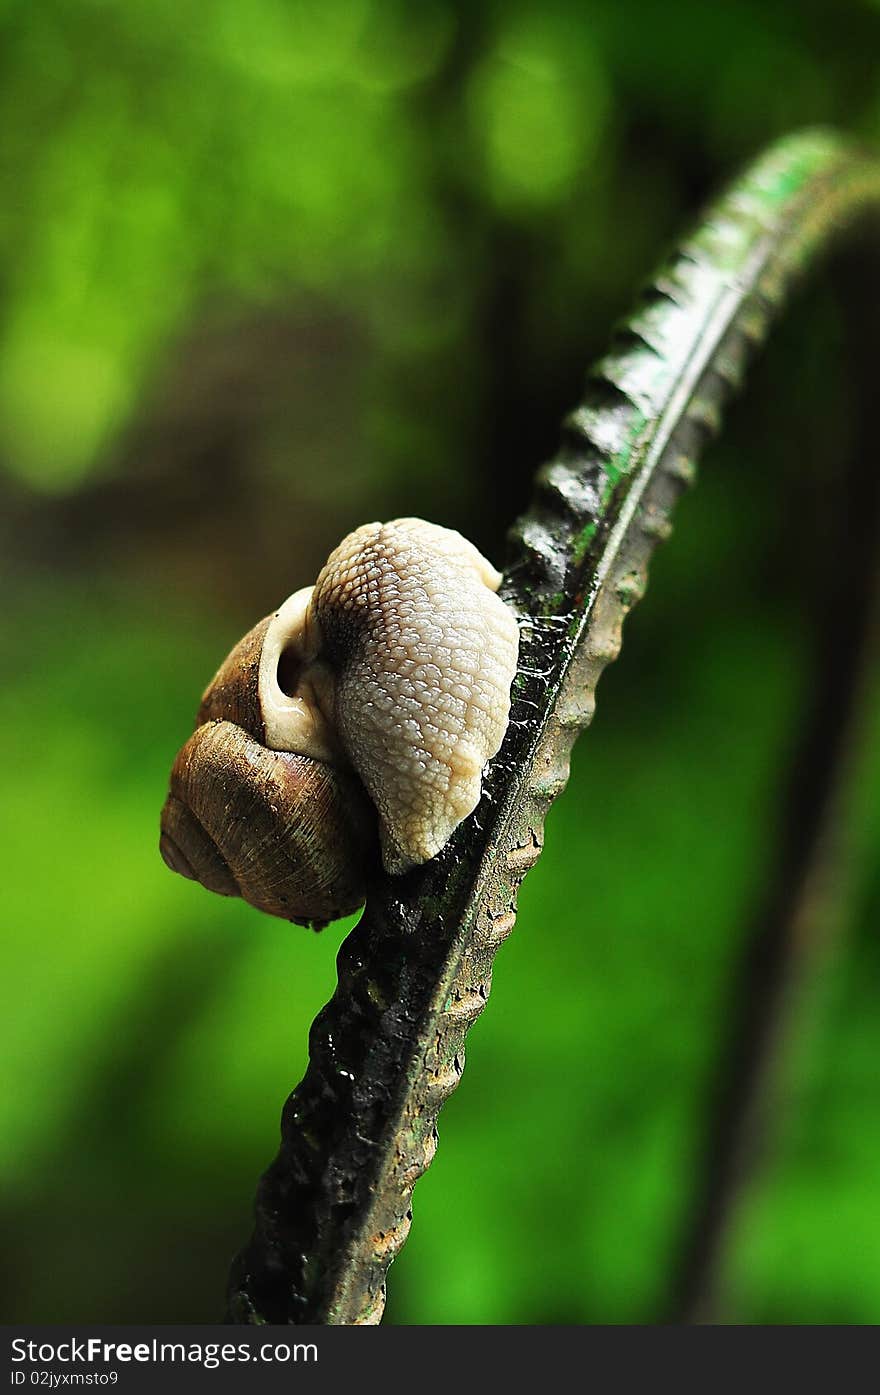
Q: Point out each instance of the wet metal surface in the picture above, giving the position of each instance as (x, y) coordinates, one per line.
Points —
(334, 1208)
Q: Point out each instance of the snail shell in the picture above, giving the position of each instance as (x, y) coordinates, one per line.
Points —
(289, 832)
(361, 714)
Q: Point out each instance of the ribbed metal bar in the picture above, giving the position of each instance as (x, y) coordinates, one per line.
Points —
(334, 1208)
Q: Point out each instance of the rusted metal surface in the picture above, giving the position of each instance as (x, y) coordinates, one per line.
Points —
(333, 1209)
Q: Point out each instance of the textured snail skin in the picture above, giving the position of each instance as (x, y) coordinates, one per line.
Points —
(361, 714)
(425, 654)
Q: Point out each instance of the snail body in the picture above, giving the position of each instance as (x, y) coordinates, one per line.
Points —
(354, 722)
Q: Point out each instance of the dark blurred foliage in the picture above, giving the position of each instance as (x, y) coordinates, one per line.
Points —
(270, 270)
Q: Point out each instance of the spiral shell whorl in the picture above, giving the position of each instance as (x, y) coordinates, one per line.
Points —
(290, 834)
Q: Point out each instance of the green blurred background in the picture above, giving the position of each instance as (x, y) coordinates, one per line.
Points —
(272, 269)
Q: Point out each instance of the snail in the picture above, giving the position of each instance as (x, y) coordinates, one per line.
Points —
(353, 724)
